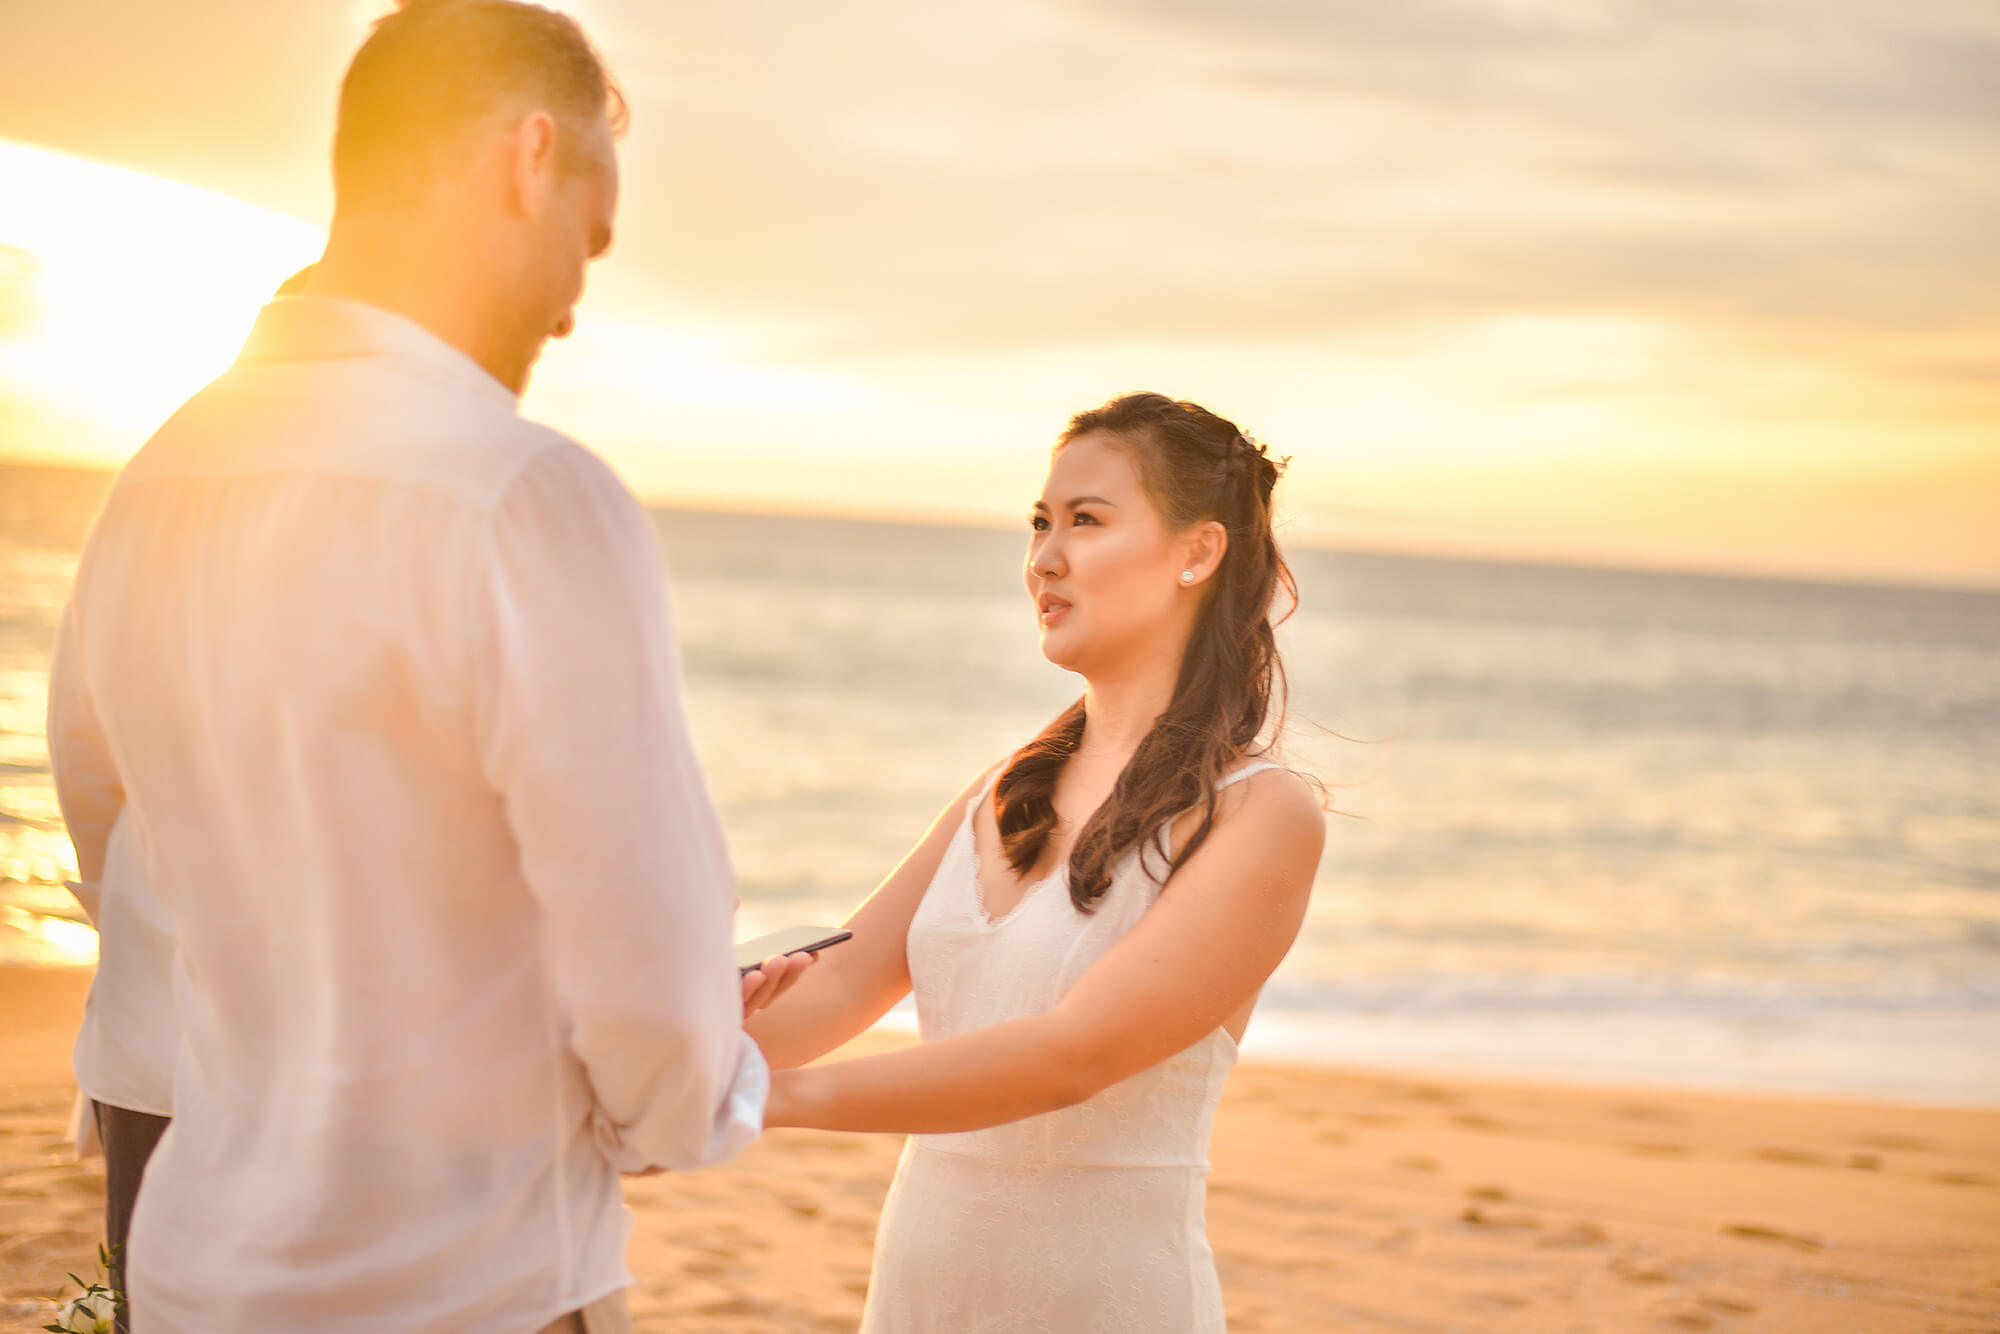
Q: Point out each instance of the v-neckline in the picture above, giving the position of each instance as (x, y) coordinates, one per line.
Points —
(987, 919)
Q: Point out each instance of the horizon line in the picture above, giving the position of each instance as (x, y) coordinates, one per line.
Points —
(1467, 552)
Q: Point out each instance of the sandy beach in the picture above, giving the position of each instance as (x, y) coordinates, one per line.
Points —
(1339, 1201)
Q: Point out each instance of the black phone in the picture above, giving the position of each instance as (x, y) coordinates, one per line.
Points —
(811, 940)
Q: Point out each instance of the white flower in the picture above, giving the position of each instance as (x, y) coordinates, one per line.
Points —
(92, 1313)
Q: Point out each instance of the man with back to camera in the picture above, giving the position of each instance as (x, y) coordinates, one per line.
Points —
(388, 674)
(124, 1053)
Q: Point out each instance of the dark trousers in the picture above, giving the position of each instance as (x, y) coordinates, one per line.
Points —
(128, 1139)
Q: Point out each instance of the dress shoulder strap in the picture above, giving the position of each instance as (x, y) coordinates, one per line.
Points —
(984, 796)
(1242, 772)
(1162, 840)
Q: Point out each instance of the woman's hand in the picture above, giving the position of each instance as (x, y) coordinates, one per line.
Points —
(1194, 960)
(772, 979)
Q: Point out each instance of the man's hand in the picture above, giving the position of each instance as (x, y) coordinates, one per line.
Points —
(772, 979)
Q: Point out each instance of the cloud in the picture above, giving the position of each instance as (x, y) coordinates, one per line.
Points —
(889, 181)
(892, 177)
(1450, 252)
(1750, 162)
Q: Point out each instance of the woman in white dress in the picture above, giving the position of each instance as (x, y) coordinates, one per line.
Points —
(1087, 926)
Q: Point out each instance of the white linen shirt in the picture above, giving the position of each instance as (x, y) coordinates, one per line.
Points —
(387, 673)
(124, 1055)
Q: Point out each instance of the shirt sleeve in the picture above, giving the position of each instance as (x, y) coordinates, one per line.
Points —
(87, 784)
(582, 731)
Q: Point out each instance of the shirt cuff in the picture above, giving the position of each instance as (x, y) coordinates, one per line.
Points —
(737, 1121)
(741, 1117)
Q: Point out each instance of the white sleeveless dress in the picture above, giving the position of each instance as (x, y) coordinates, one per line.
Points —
(1086, 1220)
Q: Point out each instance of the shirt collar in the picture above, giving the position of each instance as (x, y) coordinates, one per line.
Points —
(326, 328)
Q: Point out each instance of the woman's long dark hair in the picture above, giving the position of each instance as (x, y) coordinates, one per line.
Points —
(1195, 466)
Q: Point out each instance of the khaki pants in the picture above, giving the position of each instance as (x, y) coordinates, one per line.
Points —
(607, 1315)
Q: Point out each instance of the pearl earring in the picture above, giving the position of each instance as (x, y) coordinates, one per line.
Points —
(1187, 576)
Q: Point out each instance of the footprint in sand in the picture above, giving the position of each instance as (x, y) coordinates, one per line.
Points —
(1489, 1194)
(739, 1306)
(1496, 1301)
(1711, 1307)
(1640, 1111)
(1417, 1164)
(707, 1244)
(1472, 1122)
(1901, 1143)
(1792, 1156)
(1633, 1271)
(1729, 1306)
(1962, 1179)
(1579, 1236)
(1478, 1217)
(1374, 1119)
(1778, 1236)
(1658, 1150)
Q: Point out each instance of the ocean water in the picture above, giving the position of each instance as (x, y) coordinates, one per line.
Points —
(1594, 825)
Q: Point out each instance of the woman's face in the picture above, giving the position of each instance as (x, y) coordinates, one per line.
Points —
(1103, 566)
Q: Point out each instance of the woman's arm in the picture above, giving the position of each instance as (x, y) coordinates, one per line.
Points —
(1196, 957)
(854, 983)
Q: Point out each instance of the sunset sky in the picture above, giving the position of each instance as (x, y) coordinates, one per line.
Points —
(1706, 285)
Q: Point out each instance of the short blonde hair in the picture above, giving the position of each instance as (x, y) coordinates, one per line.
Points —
(433, 69)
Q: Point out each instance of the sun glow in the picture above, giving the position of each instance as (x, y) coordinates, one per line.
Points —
(122, 293)
(1619, 436)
